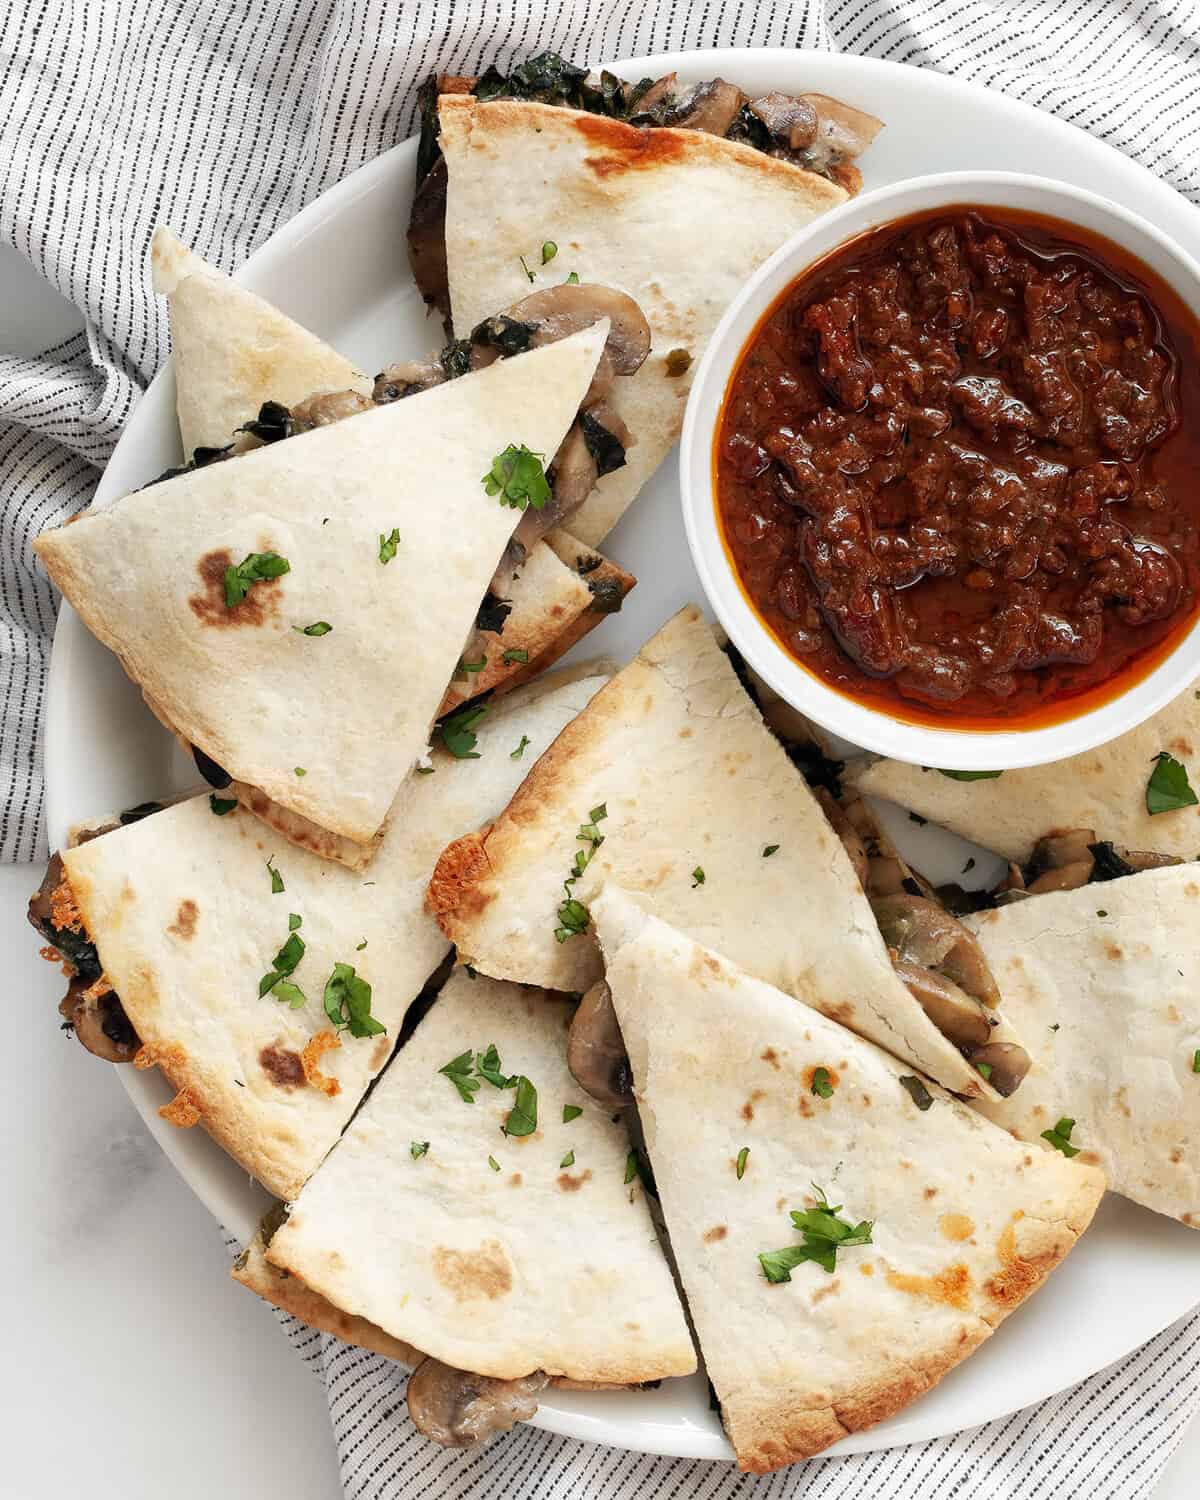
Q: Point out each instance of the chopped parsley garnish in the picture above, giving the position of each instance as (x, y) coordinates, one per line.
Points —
(971, 775)
(493, 1163)
(697, 877)
(318, 627)
(916, 1091)
(300, 771)
(293, 921)
(518, 478)
(573, 916)
(472, 666)
(523, 1117)
(822, 1083)
(256, 567)
(1196, 1061)
(568, 1160)
(520, 750)
(1102, 913)
(740, 1165)
(636, 1165)
(459, 1071)
(631, 1167)
(516, 656)
(769, 849)
(457, 735)
(572, 279)
(487, 1065)
(221, 805)
(573, 1111)
(417, 1149)
(358, 947)
(277, 885)
(276, 981)
(388, 545)
(348, 1002)
(524, 267)
(1168, 788)
(984, 1070)
(286, 990)
(1060, 1137)
(549, 251)
(573, 919)
(429, 770)
(824, 1234)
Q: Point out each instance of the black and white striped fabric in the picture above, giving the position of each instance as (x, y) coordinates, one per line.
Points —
(223, 118)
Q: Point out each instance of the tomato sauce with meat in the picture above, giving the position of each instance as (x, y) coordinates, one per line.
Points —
(958, 469)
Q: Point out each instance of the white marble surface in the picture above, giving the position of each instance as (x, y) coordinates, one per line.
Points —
(135, 1367)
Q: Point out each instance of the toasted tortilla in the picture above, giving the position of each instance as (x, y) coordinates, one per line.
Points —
(676, 218)
(181, 908)
(966, 1221)
(233, 350)
(691, 780)
(1103, 789)
(326, 727)
(540, 1265)
(1102, 984)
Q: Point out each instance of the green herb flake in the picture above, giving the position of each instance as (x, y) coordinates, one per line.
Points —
(277, 885)
(517, 477)
(740, 1164)
(318, 627)
(572, 279)
(573, 1111)
(300, 771)
(457, 732)
(524, 267)
(822, 1083)
(417, 1149)
(221, 805)
(971, 775)
(573, 916)
(1060, 1137)
(472, 666)
(1102, 913)
(520, 750)
(429, 770)
(293, 921)
(573, 919)
(459, 1070)
(256, 567)
(769, 849)
(1196, 1061)
(487, 1065)
(517, 656)
(824, 1234)
(389, 545)
(697, 877)
(286, 990)
(1168, 788)
(568, 1160)
(523, 1117)
(549, 251)
(360, 946)
(493, 1163)
(348, 1002)
(916, 1091)
(984, 1070)
(283, 964)
(631, 1167)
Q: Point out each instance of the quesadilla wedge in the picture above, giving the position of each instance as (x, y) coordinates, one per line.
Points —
(237, 959)
(622, 207)
(915, 1228)
(1104, 789)
(670, 785)
(1102, 983)
(463, 1214)
(297, 613)
(232, 350)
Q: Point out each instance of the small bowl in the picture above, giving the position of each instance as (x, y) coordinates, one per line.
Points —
(947, 748)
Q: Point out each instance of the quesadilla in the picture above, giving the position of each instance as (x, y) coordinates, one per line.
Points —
(268, 985)
(914, 1229)
(1104, 789)
(478, 1208)
(622, 207)
(1102, 983)
(669, 784)
(233, 350)
(297, 613)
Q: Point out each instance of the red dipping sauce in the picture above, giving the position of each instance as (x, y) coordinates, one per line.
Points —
(958, 469)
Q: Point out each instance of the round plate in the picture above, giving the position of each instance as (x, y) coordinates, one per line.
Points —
(339, 268)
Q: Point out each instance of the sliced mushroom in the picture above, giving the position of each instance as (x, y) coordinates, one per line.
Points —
(602, 382)
(845, 831)
(793, 122)
(427, 241)
(1112, 862)
(958, 1016)
(843, 132)
(921, 932)
(406, 379)
(559, 311)
(328, 407)
(596, 1052)
(711, 107)
(460, 1410)
(1006, 1062)
(99, 1021)
(661, 92)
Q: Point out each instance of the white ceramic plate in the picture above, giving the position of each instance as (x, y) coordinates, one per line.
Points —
(340, 268)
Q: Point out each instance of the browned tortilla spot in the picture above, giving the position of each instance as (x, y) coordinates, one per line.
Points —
(184, 925)
(957, 1226)
(951, 1286)
(182, 1112)
(717, 1232)
(283, 1067)
(471, 1274)
(210, 608)
(569, 1184)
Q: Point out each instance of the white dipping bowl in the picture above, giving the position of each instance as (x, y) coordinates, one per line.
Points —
(944, 747)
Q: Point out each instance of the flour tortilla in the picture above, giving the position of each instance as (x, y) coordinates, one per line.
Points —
(1103, 789)
(691, 779)
(233, 351)
(967, 1222)
(1103, 986)
(351, 709)
(181, 909)
(537, 1266)
(676, 218)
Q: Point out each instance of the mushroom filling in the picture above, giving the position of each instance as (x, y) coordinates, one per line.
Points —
(460, 1410)
(596, 1053)
(1070, 858)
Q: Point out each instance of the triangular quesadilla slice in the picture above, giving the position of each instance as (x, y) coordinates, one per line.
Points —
(192, 909)
(670, 784)
(676, 218)
(1103, 986)
(233, 350)
(297, 613)
(478, 1206)
(1105, 789)
(845, 1233)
